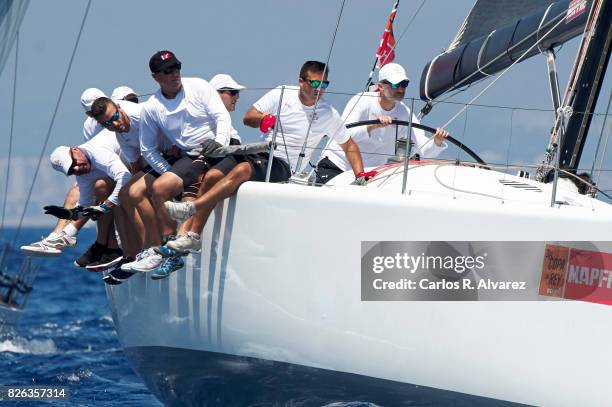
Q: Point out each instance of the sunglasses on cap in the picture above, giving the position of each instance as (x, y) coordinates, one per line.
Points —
(403, 84)
(171, 69)
(110, 121)
(315, 83)
(232, 92)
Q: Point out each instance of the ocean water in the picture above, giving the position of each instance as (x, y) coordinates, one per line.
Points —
(66, 335)
(66, 338)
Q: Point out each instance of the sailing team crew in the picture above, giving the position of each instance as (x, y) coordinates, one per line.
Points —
(180, 145)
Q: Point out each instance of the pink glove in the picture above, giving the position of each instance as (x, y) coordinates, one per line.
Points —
(267, 123)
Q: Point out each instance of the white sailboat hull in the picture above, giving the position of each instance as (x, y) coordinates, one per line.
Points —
(272, 309)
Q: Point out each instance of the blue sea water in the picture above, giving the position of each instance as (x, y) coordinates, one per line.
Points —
(66, 335)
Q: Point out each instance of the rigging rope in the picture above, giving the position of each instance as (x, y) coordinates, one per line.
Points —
(10, 146)
(361, 94)
(314, 108)
(42, 151)
(605, 148)
(603, 126)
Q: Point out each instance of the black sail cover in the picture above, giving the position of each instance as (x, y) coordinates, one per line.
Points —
(495, 34)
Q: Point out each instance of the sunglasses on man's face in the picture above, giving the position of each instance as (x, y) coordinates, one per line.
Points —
(110, 121)
(403, 84)
(315, 83)
(232, 92)
(169, 70)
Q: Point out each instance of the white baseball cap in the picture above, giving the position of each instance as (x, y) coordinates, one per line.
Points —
(224, 81)
(89, 96)
(392, 73)
(122, 91)
(61, 160)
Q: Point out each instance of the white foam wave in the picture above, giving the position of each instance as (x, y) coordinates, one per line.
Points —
(34, 347)
(74, 377)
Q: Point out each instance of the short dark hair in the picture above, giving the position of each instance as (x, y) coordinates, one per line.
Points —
(98, 108)
(314, 67)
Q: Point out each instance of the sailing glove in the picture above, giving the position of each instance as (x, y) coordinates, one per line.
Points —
(211, 148)
(364, 177)
(63, 213)
(267, 123)
(94, 212)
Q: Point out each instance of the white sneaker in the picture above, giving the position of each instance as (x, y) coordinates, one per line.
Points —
(128, 266)
(186, 243)
(180, 210)
(51, 245)
(147, 262)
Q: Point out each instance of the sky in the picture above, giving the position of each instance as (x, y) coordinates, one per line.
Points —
(262, 44)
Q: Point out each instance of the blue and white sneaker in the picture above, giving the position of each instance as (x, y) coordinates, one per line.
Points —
(166, 252)
(168, 266)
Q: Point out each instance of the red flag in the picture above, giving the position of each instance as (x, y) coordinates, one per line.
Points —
(386, 53)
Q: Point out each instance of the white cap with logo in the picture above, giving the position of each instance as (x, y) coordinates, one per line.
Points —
(392, 73)
(224, 81)
(89, 96)
(122, 91)
(61, 160)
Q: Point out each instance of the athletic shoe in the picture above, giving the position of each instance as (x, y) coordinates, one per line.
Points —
(92, 255)
(109, 259)
(149, 261)
(189, 243)
(166, 252)
(51, 245)
(117, 276)
(180, 210)
(168, 266)
(128, 266)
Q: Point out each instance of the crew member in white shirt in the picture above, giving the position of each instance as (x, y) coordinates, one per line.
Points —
(191, 115)
(98, 168)
(377, 142)
(124, 92)
(296, 113)
(65, 232)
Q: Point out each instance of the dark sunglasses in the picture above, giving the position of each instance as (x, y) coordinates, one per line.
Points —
(315, 83)
(403, 84)
(110, 121)
(232, 92)
(171, 69)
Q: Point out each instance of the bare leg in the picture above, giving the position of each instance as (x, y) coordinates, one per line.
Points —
(164, 188)
(136, 194)
(72, 197)
(220, 190)
(131, 244)
(106, 230)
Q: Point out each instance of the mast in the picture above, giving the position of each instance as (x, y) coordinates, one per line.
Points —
(588, 85)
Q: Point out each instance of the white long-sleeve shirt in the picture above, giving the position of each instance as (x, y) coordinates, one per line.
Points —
(378, 145)
(103, 151)
(196, 114)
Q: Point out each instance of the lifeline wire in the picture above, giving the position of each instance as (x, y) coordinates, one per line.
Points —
(42, 151)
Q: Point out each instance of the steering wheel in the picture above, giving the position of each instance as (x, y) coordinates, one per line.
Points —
(428, 129)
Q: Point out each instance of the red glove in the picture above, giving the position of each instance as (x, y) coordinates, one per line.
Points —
(267, 123)
(367, 175)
